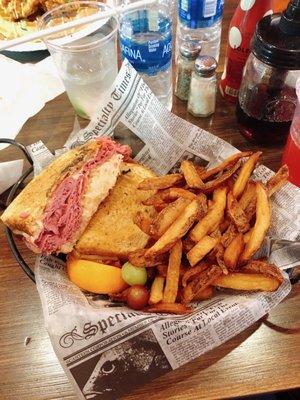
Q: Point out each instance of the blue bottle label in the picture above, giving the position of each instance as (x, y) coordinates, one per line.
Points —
(149, 58)
(200, 13)
(146, 42)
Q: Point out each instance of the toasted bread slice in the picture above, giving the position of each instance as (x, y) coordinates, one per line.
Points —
(111, 232)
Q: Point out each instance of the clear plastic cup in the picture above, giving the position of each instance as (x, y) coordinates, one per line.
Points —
(86, 56)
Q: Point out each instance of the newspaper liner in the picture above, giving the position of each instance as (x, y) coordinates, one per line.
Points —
(107, 349)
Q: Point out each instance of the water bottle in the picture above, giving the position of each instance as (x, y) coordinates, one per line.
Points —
(174, 13)
(146, 42)
(200, 20)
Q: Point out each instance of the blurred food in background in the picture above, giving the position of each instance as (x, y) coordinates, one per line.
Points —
(18, 17)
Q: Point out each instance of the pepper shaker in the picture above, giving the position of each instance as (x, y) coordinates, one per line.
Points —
(202, 96)
(188, 52)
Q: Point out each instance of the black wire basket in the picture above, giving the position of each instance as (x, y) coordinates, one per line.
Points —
(293, 274)
(14, 190)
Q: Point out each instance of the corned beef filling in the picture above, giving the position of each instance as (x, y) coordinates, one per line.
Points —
(62, 215)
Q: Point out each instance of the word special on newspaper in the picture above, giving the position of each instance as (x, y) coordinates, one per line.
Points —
(107, 349)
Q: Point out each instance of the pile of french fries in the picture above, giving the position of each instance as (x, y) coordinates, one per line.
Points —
(209, 225)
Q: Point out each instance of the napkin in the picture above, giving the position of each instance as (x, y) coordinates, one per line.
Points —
(24, 90)
(10, 172)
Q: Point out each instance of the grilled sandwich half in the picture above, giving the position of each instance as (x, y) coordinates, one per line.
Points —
(111, 233)
(54, 209)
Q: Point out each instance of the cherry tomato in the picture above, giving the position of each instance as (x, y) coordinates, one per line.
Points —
(137, 297)
(134, 275)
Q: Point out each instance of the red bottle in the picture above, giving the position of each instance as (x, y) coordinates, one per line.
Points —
(291, 155)
(241, 30)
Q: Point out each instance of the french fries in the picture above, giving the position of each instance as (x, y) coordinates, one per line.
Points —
(249, 282)
(236, 214)
(213, 218)
(204, 294)
(224, 224)
(192, 272)
(155, 200)
(262, 224)
(170, 308)
(164, 196)
(277, 180)
(247, 236)
(174, 193)
(191, 175)
(208, 227)
(200, 169)
(228, 235)
(203, 247)
(138, 259)
(187, 244)
(202, 199)
(216, 234)
(224, 165)
(167, 216)
(161, 182)
(222, 264)
(176, 231)
(204, 279)
(172, 280)
(159, 207)
(210, 186)
(248, 199)
(263, 267)
(248, 196)
(234, 251)
(218, 255)
(245, 174)
(157, 290)
(143, 221)
(162, 270)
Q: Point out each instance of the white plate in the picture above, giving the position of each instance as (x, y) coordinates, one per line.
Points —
(27, 47)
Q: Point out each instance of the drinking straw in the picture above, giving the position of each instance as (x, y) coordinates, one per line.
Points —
(75, 23)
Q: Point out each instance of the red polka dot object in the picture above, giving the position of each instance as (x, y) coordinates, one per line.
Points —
(241, 30)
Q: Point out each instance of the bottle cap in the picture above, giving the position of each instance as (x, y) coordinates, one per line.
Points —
(276, 41)
(290, 20)
(205, 65)
(190, 49)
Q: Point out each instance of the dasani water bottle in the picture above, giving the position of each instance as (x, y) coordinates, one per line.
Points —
(146, 42)
(200, 20)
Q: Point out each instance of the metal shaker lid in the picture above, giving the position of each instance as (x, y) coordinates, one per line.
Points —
(205, 65)
(190, 49)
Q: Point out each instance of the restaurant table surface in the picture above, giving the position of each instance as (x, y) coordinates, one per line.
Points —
(263, 358)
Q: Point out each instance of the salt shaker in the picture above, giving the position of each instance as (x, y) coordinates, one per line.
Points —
(202, 96)
(188, 52)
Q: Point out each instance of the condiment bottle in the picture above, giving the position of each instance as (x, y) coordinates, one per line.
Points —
(267, 97)
(202, 97)
(188, 52)
(280, 5)
(291, 155)
(241, 30)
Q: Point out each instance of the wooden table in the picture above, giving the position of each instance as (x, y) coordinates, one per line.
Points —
(264, 358)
